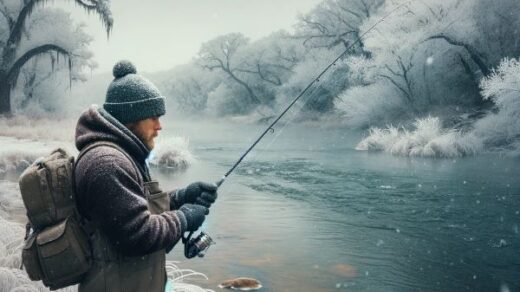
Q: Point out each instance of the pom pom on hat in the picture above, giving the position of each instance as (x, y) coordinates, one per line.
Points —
(123, 68)
(131, 97)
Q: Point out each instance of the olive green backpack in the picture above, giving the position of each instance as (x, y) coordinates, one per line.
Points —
(57, 251)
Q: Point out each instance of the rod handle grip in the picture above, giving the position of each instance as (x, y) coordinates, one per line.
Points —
(220, 182)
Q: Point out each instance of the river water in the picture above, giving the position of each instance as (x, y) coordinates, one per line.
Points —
(307, 212)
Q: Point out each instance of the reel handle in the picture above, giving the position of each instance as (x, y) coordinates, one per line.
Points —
(196, 246)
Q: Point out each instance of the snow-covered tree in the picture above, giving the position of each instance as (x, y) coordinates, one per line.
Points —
(268, 63)
(501, 129)
(253, 73)
(221, 54)
(20, 45)
(434, 54)
(320, 97)
(336, 22)
(188, 87)
(405, 56)
(43, 78)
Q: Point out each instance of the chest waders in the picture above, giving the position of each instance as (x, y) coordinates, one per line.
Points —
(112, 271)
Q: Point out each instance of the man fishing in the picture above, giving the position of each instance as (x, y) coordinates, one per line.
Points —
(134, 223)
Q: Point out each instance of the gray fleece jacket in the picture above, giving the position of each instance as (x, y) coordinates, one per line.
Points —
(110, 192)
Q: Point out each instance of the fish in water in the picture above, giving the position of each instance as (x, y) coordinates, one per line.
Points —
(244, 284)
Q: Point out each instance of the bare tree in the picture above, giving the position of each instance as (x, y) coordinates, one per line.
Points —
(336, 22)
(220, 54)
(12, 60)
(271, 60)
(400, 76)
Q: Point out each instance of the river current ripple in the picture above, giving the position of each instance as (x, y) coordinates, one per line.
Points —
(309, 213)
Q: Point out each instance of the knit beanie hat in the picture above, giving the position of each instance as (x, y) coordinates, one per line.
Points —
(131, 97)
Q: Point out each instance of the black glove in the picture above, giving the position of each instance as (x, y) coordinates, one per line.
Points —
(195, 215)
(200, 193)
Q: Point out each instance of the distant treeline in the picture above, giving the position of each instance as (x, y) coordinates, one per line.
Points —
(438, 57)
(426, 57)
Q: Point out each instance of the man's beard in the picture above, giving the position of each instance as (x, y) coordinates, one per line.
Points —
(148, 142)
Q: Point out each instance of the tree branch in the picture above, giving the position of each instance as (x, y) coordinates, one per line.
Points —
(104, 14)
(473, 53)
(5, 13)
(314, 25)
(398, 86)
(16, 32)
(12, 75)
(350, 11)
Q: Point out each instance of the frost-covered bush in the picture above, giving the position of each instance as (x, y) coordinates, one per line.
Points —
(428, 139)
(503, 86)
(501, 130)
(171, 153)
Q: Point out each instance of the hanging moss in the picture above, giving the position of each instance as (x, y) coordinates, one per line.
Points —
(100, 7)
(70, 73)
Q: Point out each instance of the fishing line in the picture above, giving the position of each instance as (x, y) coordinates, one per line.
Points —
(270, 127)
(199, 245)
(293, 116)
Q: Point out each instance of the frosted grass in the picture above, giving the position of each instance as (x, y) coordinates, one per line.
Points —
(24, 139)
(16, 154)
(11, 205)
(427, 139)
(41, 129)
(178, 276)
(171, 153)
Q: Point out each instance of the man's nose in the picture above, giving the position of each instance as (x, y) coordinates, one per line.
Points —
(158, 125)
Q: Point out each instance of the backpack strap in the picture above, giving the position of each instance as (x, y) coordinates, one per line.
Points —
(144, 173)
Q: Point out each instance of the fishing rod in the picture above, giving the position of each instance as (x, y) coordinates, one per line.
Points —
(197, 246)
(317, 79)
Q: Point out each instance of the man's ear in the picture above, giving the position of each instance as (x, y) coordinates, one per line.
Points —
(130, 126)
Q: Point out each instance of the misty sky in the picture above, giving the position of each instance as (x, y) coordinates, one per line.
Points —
(159, 34)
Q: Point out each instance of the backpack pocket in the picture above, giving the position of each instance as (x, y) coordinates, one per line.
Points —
(63, 253)
(30, 259)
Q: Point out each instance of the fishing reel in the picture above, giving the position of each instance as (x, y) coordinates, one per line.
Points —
(196, 246)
